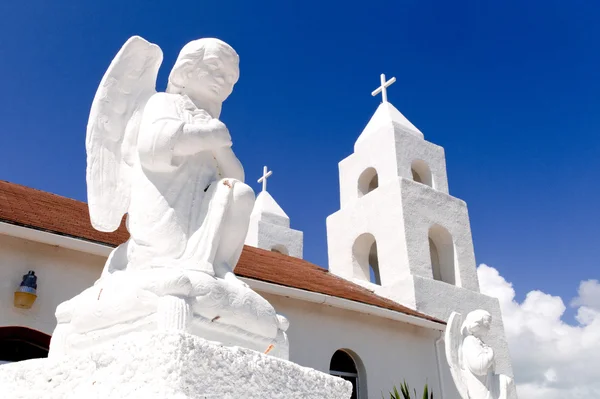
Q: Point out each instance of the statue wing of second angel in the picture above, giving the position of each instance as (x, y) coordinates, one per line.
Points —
(112, 130)
(453, 338)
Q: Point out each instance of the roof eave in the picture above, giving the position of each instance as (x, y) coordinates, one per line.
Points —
(342, 303)
(31, 233)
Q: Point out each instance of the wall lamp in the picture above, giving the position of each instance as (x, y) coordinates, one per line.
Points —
(26, 294)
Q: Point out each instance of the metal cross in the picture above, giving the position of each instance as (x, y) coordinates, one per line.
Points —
(263, 179)
(382, 89)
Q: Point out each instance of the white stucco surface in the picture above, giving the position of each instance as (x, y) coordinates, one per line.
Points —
(391, 147)
(385, 351)
(269, 228)
(167, 365)
(62, 273)
(440, 299)
(424, 249)
(399, 215)
(387, 117)
(268, 210)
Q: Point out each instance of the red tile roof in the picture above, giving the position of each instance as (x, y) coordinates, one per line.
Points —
(28, 207)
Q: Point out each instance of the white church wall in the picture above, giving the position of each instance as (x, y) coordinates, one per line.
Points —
(270, 236)
(346, 225)
(417, 155)
(412, 212)
(405, 264)
(393, 153)
(425, 208)
(269, 226)
(425, 255)
(380, 158)
(62, 273)
(387, 352)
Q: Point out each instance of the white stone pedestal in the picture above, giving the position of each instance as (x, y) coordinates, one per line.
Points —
(153, 365)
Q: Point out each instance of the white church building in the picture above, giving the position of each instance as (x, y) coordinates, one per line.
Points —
(400, 251)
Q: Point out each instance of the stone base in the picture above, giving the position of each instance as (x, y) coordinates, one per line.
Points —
(153, 365)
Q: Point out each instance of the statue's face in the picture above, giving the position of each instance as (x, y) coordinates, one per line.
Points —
(210, 76)
(214, 76)
(486, 323)
(482, 327)
(478, 323)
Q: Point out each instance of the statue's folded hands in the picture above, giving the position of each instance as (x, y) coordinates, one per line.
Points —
(204, 136)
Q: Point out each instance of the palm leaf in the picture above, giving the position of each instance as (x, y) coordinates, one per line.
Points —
(405, 390)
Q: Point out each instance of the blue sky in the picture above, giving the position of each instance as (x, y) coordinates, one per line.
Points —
(510, 89)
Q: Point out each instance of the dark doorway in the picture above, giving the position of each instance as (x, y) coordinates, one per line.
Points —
(22, 343)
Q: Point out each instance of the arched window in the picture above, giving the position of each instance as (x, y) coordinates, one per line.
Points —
(421, 172)
(441, 252)
(367, 182)
(342, 365)
(22, 343)
(280, 249)
(365, 259)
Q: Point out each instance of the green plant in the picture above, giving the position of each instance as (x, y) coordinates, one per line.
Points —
(405, 390)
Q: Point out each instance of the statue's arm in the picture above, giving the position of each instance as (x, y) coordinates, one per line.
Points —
(478, 358)
(202, 136)
(159, 130)
(229, 165)
(164, 135)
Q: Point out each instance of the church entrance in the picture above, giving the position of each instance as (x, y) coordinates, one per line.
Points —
(342, 365)
(22, 343)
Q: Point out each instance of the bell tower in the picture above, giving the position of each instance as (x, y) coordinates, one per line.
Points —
(269, 226)
(399, 232)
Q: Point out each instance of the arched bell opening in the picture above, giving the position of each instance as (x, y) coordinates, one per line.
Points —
(365, 259)
(441, 252)
(421, 172)
(367, 182)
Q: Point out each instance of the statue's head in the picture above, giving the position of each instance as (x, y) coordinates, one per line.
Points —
(206, 69)
(477, 323)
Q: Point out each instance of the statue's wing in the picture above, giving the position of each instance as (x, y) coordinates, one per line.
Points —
(453, 339)
(113, 128)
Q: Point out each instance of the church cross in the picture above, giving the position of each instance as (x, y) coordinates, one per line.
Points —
(382, 89)
(263, 179)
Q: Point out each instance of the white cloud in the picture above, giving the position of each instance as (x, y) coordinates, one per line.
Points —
(552, 359)
(589, 295)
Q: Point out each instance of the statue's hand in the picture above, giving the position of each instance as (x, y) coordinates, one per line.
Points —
(202, 136)
(219, 136)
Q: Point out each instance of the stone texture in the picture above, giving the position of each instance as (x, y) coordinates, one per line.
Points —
(270, 228)
(167, 365)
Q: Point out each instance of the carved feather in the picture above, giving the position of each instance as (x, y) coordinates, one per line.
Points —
(113, 127)
(453, 340)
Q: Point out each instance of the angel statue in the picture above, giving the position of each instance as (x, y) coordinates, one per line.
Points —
(471, 361)
(165, 160)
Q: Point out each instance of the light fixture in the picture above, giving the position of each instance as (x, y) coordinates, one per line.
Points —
(26, 294)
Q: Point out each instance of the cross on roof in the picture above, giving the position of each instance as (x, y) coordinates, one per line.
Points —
(382, 89)
(263, 179)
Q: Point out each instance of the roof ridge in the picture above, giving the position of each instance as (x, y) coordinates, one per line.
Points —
(39, 190)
